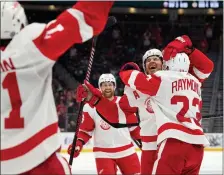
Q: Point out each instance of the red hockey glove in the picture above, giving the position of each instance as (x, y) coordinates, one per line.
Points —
(94, 94)
(130, 66)
(180, 44)
(88, 93)
(81, 93)
(78, 148)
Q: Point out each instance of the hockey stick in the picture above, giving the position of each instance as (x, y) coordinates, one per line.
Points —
(110, 22)
(138, 143)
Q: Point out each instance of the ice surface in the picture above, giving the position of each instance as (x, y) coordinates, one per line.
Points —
(85, 163)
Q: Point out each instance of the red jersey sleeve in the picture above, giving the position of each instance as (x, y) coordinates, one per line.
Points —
(201, 66)
(125, 106)
(135, 132)
(75, 25)
(139, 81)
(87, 126)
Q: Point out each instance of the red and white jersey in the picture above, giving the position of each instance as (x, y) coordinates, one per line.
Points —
(109, 142)
(176, 101)
(29, 122)
(201, 66)
(147, 124)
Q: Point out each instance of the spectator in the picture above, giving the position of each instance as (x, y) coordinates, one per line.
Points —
(209, 35)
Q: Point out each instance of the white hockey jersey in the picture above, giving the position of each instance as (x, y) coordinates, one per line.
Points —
(148, 130)
(108, 142)
(29, 122)
(176, 101)
(201, 67)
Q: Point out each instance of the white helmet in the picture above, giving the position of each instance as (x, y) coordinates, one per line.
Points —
(180, 63)
(149, 53)
(13, 18)
(106, 78)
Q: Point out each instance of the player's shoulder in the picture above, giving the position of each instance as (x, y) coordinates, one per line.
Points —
(117, 98)
(21, 41)
(170, 74)
(32, 31)
(88, 108)
(162, 73)
(190, 76)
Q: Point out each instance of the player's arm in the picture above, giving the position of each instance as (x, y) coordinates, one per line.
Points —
(135, 135)
(85, 131)
(109, 111)
(139, 81)
(87, 126)
(75, 25)
(201, 66)
(135, 132)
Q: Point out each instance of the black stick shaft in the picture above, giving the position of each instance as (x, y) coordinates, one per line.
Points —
(110, 22)
(137, 143)
(79, 118)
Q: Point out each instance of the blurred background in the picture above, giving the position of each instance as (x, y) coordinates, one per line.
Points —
(141, 25)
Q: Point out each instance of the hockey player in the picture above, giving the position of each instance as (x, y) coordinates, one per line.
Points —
(176, 100)
(201, 68)
(112, 147)
(29, 122)
(133, 101)
(152, 62)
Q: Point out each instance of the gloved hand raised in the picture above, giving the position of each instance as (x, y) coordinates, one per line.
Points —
(88, 93)
(130, 66)
(180, 44)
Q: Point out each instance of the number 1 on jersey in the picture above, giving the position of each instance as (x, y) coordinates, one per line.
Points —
(14, 120)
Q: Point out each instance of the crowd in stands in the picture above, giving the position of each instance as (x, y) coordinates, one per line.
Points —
(123, 43)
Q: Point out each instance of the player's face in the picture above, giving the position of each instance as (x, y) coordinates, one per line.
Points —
(107, 89)
(153, 64)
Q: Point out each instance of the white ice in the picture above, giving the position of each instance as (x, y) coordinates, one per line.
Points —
(85, 163)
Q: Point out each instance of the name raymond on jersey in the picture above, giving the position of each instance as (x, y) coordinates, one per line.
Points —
(7, 65)
(186, 84)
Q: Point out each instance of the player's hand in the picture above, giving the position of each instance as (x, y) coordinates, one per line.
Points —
(88, 93)
(81, 93)
(78, 148)
(180, 44)
(130, 66)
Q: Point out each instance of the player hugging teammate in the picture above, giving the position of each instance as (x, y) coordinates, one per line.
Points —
(168, 99)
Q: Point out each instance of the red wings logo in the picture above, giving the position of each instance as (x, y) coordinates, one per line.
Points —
(148, 105)
(104, 125)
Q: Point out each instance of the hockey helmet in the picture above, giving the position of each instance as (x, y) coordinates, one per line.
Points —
(149, 53)
(13, 19)
(106, 78)
(180, 63)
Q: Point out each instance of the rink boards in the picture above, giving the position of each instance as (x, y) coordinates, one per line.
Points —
(215, 139)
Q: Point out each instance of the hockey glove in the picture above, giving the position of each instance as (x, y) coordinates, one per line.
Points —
(78, 148)
(81, 93)
(88, 93)
(180, 44)
(130, 66)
